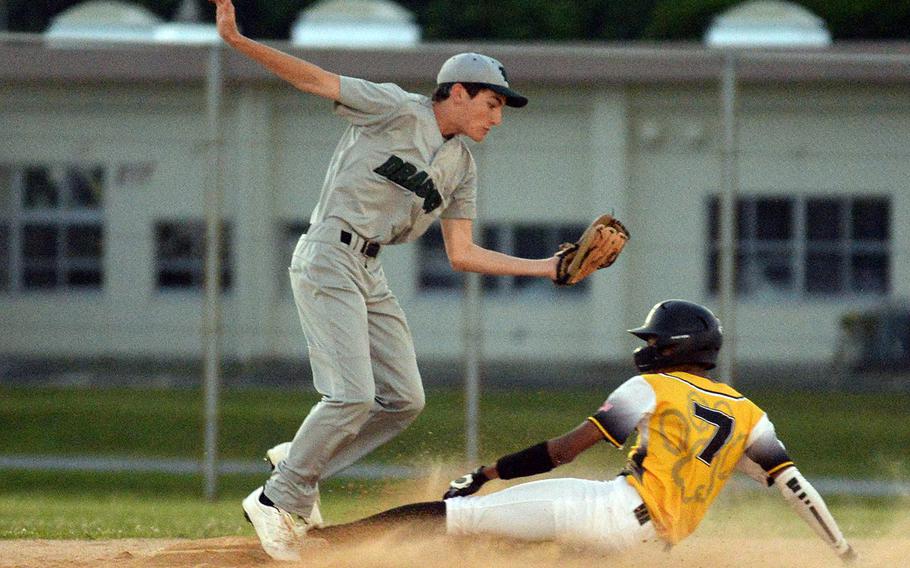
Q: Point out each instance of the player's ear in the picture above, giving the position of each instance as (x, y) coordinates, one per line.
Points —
(458, 92)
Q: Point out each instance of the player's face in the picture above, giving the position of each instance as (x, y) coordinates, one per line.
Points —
(481, 114)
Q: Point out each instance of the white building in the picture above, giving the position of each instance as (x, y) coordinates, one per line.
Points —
(103, 165)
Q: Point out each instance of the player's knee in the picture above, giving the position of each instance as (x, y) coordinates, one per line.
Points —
(415, 402)
(408, 406)
(357, 409)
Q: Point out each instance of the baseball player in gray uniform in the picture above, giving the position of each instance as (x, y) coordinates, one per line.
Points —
(400, 165)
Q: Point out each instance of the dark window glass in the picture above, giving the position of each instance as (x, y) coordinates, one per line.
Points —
(870, 220)
(39, 256)
(870, 273)
(530, 242)
(834, 261)
(83, 277)
(84, 241)
(435, 272)
(823, 219)
(824, 273)
(773, 219)
(86, 187)
(714, 225)
(491, 237)
(4, 256)
(742, 225)
(770, 270)
(180, 255)
(39, 277)
(40, 190)
(6, 190)
(713, 219)
(39, 242)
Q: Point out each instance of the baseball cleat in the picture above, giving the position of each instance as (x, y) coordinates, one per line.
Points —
(276, 454)
(315, 520)
(276, 529)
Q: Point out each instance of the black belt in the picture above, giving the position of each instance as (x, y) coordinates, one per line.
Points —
(642, 514)
(368, 248)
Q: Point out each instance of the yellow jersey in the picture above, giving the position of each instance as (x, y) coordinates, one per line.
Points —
(692, 434)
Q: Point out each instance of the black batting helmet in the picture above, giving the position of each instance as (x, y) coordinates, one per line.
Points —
(685, 333)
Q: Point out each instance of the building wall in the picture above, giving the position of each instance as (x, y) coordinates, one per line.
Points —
(649, 153)
(798, 141)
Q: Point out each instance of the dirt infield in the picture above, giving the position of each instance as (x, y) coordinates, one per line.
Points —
(244, 552)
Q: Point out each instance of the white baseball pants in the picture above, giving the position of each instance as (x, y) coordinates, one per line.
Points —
(593, 513)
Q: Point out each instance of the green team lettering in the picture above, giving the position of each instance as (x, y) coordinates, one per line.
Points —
(409, 177)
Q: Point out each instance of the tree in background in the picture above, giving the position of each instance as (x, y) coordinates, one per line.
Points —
(544, 20)
(528, 20)
(846, 19)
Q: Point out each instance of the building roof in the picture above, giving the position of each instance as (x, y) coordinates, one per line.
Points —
(26, 58)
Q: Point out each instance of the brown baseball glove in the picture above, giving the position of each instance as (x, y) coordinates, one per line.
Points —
(597, 248)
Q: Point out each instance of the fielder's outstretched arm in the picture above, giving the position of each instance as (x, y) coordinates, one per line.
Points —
(467, 256)
(304, 75)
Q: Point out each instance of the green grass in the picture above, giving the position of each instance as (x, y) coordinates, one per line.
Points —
(106, 506)
(829, 434)
(767, 515)
(840, 434)
(142, 505)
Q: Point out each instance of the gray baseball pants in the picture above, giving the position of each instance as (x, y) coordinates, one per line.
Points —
(363, 362)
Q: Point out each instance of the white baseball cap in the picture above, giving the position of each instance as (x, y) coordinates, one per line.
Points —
(477, 68)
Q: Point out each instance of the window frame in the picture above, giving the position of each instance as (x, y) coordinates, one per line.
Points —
(195, 264)
(799, 247)
(62, 216)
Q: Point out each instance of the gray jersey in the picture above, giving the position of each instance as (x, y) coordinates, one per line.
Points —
(393, 173)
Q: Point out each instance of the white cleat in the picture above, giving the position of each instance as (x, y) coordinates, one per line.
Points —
(276, 529)
(315, 521)
(277, 454)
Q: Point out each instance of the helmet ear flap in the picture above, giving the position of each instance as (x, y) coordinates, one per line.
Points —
(646, 358)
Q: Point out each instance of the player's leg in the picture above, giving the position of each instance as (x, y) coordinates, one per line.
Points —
(333, 315)
(596, 513)
(421, 519)
(399, 390)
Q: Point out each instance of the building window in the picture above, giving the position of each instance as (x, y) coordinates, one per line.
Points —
(521, 240)
(180, 255)
(807, 247)
(51, 226)
(435, 273)
(4, 255)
